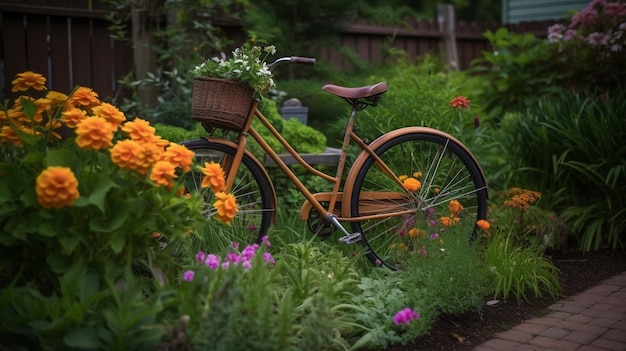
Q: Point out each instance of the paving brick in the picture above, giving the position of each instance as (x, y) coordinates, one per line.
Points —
(589, 348)
(515, 335)
(542, 341)
(603, 306)
(567, 306)
(555, 333)
(566, 324)
(602, 322)
(587, 296)
(547, 321)
(581, 337)
(526, 347)
(484, 348)
(578, 318)
(560, 315)
(609, 344)
(616, 335)
(500, 344)
(602, 289)
(564, 346)
(530, 328)
(621, 325)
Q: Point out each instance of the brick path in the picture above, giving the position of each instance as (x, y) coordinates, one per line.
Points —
(594, 320)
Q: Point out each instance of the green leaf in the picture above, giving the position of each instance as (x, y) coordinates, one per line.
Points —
(117, 242)
(83, 338)
(62, 157)
(58, 263)
(68, 244)
(100, 186)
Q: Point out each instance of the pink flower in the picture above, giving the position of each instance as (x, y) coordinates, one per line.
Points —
(405, 316)
(188, 276)
(212, 261)
(266, 240)
(200, 256)
(267, 257)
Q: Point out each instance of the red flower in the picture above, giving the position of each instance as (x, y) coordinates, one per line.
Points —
(460, 102)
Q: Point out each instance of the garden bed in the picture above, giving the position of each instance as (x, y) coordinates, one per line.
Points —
(578, 272)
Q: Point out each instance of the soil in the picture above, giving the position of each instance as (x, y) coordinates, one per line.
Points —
(577, 272)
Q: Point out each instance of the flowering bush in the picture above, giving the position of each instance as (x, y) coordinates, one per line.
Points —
(245, 66)
(89, 204)
(594, 42)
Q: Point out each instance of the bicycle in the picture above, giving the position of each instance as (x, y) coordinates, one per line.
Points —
(374, 198)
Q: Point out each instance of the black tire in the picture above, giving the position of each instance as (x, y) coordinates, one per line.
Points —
(252, 189)
(445, 165)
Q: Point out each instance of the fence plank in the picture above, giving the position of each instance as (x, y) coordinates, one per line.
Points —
(60, 77)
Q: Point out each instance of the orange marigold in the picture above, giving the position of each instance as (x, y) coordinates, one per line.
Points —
(94, 133)
(412, 184)
(446, 221)
(73, 117)
(125, 154)
(455, 207)
(55, 97)
(460, 102)
(483, 224)
(28, 80)
(520, 198)
(416, 233)
(163, 174)
(226, 206)
(8, 135)
(84, 97)
(180, 156)
(213, 177)
(57, 187)
(109, 112)
(139, 129)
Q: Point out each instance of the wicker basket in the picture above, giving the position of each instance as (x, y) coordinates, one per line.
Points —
(220, 103)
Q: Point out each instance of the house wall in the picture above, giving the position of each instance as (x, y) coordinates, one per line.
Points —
(516, 11)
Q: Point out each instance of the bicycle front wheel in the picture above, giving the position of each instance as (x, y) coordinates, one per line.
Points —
(442, 190)
(252, 189)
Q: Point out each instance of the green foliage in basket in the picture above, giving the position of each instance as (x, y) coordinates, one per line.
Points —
(245, 65)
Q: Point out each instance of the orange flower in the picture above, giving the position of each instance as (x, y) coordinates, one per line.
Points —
(163, 174)
(109, 112)
(56, 97)
(94, 133)
(73, 117)
(57, 187)
(84, 97)
(415, 233)
(125, 154)
(403, 177)
(213, 177)
(28, 80)
(180, 156)
(521, 198)
(460, 102)
(226, 206)
(417, 174)
(8, 135)
(412, 184)
(446, 221)
(139, 130)
(483, 224)
(455, 207)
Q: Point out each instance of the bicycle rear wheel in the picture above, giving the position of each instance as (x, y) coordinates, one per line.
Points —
(451, 186)
(252, 189)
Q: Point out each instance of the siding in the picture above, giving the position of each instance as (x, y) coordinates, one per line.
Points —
(516, 11)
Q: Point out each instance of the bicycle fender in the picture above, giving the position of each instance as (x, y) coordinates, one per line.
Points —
(360, 160)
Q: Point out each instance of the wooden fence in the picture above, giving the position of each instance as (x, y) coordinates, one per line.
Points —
(69, 43)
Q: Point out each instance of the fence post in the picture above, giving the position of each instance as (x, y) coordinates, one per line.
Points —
(445, 18)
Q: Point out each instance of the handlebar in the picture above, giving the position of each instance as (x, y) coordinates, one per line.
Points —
(307, 61)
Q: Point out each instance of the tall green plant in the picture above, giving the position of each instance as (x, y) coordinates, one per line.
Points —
(570, 148)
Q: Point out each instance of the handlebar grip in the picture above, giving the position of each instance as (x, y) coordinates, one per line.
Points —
(308, 61)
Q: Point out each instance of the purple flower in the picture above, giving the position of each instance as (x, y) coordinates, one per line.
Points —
(188, 276)
(233, 257)
(432, 223)
(248, 252)
(247, 265)
(200, 256)
(212, 261)
(434, 236)
(267, 257)
(234, 245)
(266, 240)
(405, 316)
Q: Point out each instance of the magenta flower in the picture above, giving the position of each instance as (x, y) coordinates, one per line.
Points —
(266, 240)
(188, 276)
(405, 316)
(212, 261)
(200, 256)
(233, 257)
(434, 236)
(267, 257)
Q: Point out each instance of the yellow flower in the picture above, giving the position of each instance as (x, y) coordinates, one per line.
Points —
(94, 133)
(28, 80)
(180, 156)
(163, 174)
(226, 206)
(8, 135)
(455, 207)
(213, 177)
(84, 97)
(412, 184)
(73, 117)
(57, 187)
(483, 224)
(403, 177)
(109, 112)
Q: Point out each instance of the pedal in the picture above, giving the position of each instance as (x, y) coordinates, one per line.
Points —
(350, 238)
